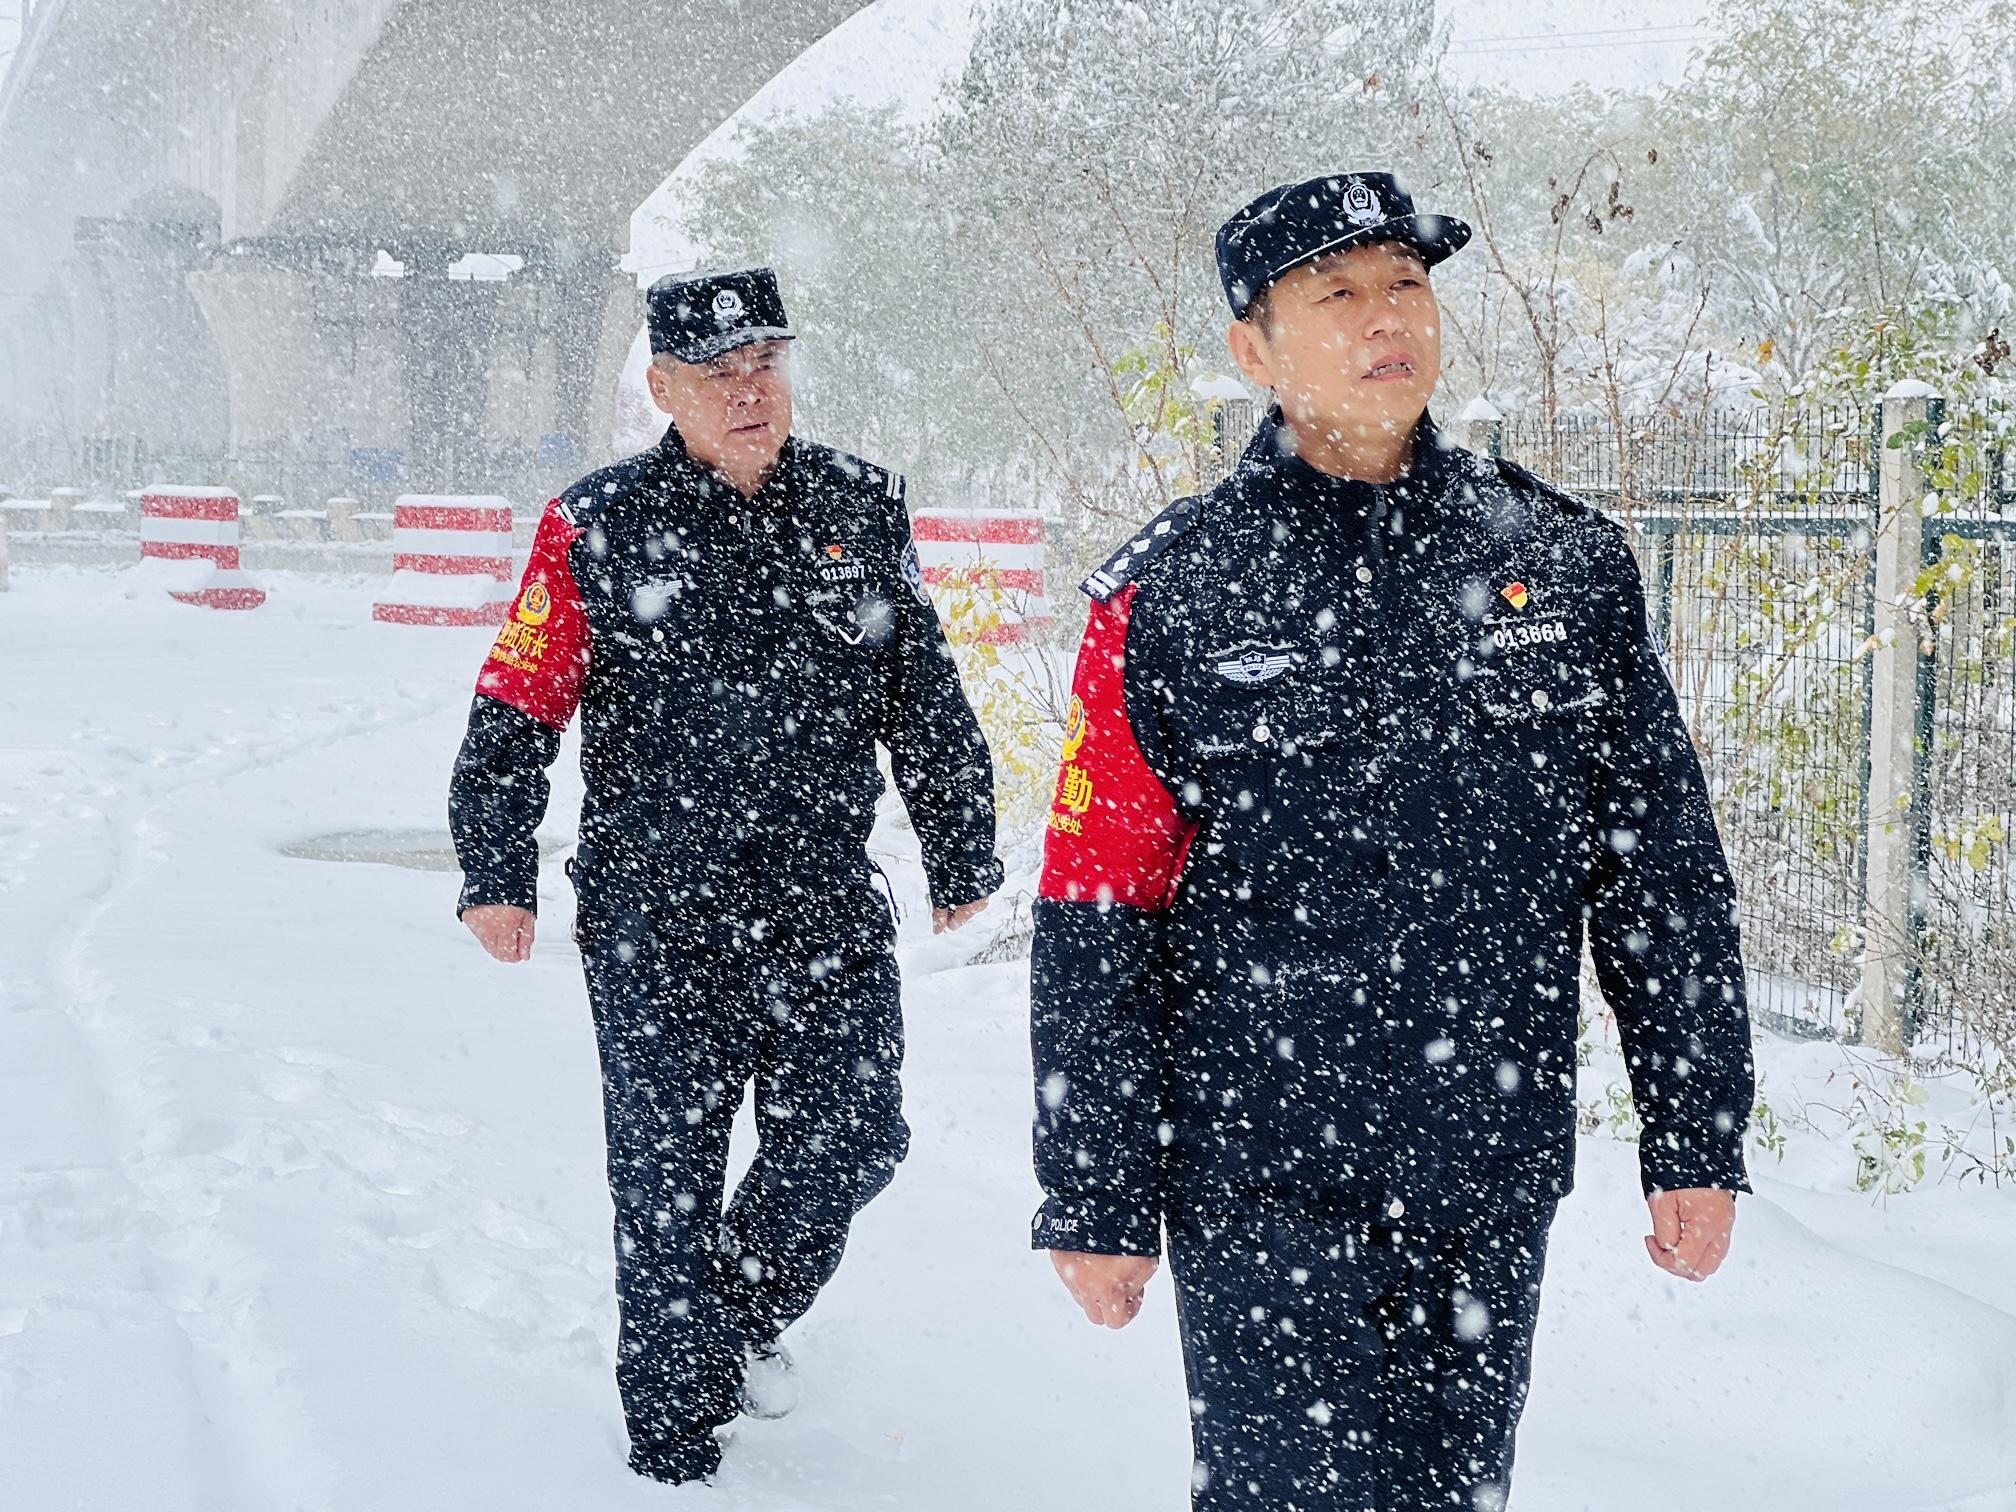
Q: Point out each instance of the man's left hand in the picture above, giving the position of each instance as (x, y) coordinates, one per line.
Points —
(1690, 1231)
(943, 919)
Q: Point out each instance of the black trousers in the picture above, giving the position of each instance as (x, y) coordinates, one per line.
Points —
(1339, 1367)
(682, 1027)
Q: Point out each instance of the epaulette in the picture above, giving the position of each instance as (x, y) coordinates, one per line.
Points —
(866, 477)
(1528, 482)
(1156, 537)
(1539, 487)
(595, 494)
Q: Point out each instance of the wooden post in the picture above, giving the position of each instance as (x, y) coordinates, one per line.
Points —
(1890, 941)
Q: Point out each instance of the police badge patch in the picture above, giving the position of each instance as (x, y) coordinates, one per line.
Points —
(1253, 662)
(1361, 204)
(913, 573)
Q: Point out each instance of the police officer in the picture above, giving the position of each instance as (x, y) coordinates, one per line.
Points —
(739, 618)
(1364, 743)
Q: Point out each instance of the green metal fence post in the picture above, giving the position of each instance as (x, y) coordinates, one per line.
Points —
(1665, 545)
(1930, 549)
(1873, 486)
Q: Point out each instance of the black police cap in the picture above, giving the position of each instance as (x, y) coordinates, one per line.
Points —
(695, 317)
(1294, 224)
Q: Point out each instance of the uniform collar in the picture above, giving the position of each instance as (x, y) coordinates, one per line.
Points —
(1294, 493)
(1270, 451)
(708, 484)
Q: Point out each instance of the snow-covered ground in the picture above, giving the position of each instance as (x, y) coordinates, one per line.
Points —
(301, 1201)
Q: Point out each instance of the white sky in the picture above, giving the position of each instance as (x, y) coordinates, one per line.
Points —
(902, 52)
(1549, 45)
(902, 45)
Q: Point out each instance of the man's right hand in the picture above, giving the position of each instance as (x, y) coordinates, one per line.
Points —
(506, 931)
(1108, 1287)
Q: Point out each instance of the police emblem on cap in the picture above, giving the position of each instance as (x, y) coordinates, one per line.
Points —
(1361, 204)
(1293, 224)
(696, 317)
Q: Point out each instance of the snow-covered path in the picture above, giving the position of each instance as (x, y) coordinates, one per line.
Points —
(301, 1202)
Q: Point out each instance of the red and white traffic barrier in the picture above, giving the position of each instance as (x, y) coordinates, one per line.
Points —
(451, 561)
(998, 555)
(189, 547)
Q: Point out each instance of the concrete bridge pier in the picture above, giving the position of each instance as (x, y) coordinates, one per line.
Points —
(448, 345)
(151, 376)
(431, 365)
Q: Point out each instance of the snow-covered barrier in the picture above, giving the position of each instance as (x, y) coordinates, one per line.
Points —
(451, 561)
(995, 555)
(189, 548)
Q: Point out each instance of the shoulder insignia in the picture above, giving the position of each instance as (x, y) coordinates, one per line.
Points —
(1528, 482)
(867, 492)
(1154, 538)
(866, 476)
(1580, 508)
(602, 490)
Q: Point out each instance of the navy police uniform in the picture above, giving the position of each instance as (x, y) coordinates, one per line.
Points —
(735, 662)
(1351, 773)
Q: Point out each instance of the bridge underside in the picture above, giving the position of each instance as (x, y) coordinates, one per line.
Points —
(236, 232)
(493, 119)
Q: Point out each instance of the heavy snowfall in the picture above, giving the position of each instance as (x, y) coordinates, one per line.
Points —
(303, 1197)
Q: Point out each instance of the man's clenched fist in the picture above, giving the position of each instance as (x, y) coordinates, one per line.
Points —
(1690, 1231)
(1108, 1287)
(506, 932)
(943, 919)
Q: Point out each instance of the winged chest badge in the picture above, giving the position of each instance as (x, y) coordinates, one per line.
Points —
(1253, 662)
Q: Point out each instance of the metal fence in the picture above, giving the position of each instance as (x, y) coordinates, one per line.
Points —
(1800, 456)
(302, 475)
(1759, 539)
(1967, 727)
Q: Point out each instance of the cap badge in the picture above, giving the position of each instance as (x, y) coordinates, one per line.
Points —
(727, 305)
(1361, 204)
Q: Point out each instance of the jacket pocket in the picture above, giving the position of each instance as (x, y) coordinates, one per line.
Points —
(1540, 691)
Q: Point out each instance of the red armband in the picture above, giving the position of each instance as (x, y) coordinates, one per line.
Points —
(540, 658)
(1115, 832)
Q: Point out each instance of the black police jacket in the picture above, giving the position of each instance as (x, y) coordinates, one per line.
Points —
(1350, 773)
(735, 661)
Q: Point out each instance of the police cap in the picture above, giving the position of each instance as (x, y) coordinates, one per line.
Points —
(695, 317)
(1293, 224)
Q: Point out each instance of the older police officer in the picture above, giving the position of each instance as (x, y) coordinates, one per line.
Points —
(1365, 743)
(739, 619)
